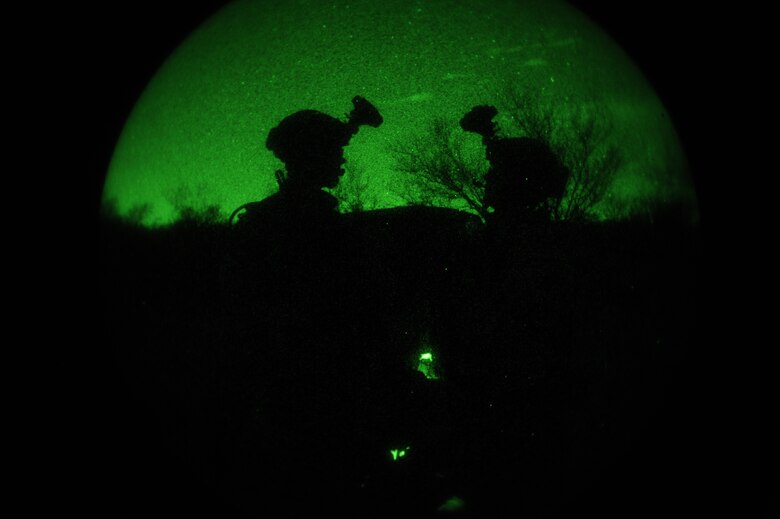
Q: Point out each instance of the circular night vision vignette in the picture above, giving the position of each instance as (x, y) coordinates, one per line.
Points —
(196, 135)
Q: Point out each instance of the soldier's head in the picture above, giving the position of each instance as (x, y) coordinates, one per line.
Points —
(311, 143)
(480, 120)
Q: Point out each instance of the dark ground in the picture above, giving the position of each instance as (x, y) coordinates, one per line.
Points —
(569, 381)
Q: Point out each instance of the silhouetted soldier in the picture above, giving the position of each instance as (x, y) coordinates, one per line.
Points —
(521, 312)
(287, 283)
(525, 178)
(310, 144)
(286, 265)
(293, 228)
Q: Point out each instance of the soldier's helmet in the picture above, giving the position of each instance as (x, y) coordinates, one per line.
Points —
(308, 135)
(480, 120)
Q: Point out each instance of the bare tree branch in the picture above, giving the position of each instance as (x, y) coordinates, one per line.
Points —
(440, 168)
(579, 138)
(353, 191)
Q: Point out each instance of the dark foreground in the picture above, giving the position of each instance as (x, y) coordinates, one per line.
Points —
(562, 372)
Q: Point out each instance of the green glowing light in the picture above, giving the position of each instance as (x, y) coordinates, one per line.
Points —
(397, 454)
(196, 136)
(426, 367)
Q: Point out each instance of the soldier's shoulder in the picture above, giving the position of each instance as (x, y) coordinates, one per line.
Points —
(254, 212)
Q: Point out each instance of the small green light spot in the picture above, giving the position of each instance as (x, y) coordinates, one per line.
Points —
(398, 453)
(425, 366)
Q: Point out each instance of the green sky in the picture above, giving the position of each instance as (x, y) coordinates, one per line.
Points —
(197, 133)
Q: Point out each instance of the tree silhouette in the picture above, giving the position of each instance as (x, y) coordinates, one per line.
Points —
(441, 169)
(353, 191)
(580, 138)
